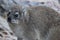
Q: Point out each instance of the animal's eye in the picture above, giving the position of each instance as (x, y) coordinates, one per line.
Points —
(16, 14)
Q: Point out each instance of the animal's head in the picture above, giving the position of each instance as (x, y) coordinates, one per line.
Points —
(17, 15)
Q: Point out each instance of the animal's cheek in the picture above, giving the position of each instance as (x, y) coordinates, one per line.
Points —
(9, 19)
(15, 21)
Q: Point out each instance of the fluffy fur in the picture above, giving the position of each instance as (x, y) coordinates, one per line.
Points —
(36, 23)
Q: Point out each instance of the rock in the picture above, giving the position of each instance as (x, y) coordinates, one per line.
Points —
(5, 31)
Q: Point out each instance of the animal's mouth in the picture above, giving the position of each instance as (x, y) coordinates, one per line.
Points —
(15, 21)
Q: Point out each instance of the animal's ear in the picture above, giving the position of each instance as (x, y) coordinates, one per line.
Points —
(26, 15)
(8, 13)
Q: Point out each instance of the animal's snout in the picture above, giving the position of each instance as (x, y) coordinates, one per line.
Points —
(9, 19)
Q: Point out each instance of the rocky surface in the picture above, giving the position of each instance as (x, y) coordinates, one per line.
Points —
(7, 4)
(5, 31)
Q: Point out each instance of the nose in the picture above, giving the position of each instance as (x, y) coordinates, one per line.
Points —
(9, 19)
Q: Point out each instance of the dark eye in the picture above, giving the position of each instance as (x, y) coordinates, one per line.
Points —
(16, 15)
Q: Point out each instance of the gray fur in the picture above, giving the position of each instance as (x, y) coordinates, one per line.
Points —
(39, 23)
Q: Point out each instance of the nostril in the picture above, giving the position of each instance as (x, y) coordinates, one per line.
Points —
(9, 19)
